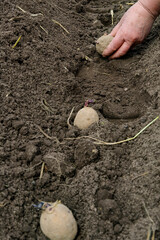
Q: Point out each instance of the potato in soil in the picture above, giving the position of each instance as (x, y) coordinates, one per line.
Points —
(85, 118)
(58, 223)
(103, 42)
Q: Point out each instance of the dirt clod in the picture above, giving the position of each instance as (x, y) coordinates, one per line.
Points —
(31, 151)
(85, 153)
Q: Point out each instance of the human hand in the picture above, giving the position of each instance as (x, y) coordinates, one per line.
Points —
(132, 29)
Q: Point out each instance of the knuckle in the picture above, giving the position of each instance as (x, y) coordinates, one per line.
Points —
(135, 38)
(113, 49)
(132, 39)
(121, 53)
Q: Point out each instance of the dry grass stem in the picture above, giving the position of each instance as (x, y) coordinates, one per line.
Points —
(130, 3)
(149, 233)
(88, 58)
(2, 204)
(153, 235)
(45, 134)
(56, 22)
(101, 142)
(16, 18)
(140, 175)
(42, 170)
(21, 9)
(152, 228)
(144, 205)
(103, 73)
(44, 29)
(121, 6)
(46, 106)
(68, 123)
(28, 169)
(112, 17)
(31, 14)
(17, 42)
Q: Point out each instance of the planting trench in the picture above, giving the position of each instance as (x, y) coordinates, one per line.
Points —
(113, 191)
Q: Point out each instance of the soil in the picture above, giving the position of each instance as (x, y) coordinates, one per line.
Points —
(112, 190)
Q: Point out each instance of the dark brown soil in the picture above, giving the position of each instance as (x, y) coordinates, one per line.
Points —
(113, 191)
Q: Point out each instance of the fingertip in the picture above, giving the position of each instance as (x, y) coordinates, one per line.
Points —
(104, 54)
(115, 44)
(108, 50)
(113, 57)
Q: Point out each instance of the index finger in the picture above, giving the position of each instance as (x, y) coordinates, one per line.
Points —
(115, 30)
(113, 46)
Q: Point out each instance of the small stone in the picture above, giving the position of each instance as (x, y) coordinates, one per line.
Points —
(117, 228)
(12, 190)
(31, 151)
(23, 131)
(17, 124)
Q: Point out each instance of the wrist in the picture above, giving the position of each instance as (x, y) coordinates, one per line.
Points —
(152, 6)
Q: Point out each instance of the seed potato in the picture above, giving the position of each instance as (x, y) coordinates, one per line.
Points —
(58, 223)
(85, 118)
(103, 42)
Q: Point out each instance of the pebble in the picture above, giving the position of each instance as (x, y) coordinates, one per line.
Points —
(31, 151)
(117, 228)
(23, 131)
